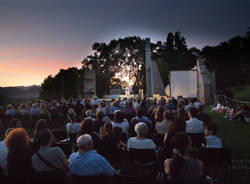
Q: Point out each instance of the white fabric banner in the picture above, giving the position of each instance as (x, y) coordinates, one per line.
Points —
(183, 83)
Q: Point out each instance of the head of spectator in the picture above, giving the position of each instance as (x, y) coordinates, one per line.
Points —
(85, 143)
(159, 113)
(106, 129)
(178, 125)
(200, 109)
(9, 107)
(99, 115)
(15, 123)
(17, 140)
(141, 129)
(192, 113)
(210, 129)
(116, 134)
(118, 118)
(43, 138)
(139, 112)
(86, 126)
(72, 117)
(181, 145)
(166, 116)
(191, 101)
(181, 113)
(88, 113)
(41, 124)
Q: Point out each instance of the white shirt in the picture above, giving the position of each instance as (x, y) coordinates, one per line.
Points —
(162, 127)
(73, 127)
(140, 143)
(196, 104)
(3, 157)
(123, 125)
(194, 126)
(213, 141)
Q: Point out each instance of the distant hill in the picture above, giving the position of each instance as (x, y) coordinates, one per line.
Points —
(20, 92)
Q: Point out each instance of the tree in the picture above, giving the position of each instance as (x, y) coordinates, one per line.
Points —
(230, 60)
(64, 84)
(125, 56)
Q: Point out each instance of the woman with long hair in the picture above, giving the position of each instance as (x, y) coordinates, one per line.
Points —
(181, 167)
(19, 165)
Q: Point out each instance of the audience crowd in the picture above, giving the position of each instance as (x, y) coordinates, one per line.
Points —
(102, 134)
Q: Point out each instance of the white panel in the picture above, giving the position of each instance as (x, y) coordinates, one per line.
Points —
(183, 83)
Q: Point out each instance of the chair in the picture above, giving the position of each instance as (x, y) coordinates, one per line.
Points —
(76, 179)
(217, 158)
(48, 177)
(143, 157)
(142, 161)
(122, 178)
(197, 139)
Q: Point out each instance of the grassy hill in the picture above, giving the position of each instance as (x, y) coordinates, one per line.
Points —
(242, 93)
(235, 136)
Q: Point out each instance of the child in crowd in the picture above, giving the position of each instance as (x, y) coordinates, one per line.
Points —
(212, 141)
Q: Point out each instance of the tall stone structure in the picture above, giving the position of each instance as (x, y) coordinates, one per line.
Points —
(154, 84)
(148, 68)
(206, 82)
(89, 83)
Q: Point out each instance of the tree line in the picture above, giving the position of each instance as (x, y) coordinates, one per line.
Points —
(230, 60)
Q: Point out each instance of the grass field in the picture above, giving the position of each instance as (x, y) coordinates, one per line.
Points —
(235, 136)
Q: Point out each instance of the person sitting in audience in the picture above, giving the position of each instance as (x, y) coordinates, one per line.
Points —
(87, 128)
(19, 155)
(181, 168)
(4, 153)
(9, 112)
(212, 141)
(181, 113)
(243, 114)
(87, 162)
(204, 117)
(105, 130)
(89, 115)
(72, 127)
(128, 111)
(139, 118)
(196, 103)
(218, 107)
(102, 106)
(120, 122)
(99, 121)
(190, 105)
(175, 127)
(113, 145)
(230, 112)
(53, 155)
(42, 124)
(140, 141)
(193, 124)
(161, 127)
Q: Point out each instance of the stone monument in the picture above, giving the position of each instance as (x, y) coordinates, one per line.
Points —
(89, 83)
(154, 84)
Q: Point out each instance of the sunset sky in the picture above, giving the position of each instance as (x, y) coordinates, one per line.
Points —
(38, 37)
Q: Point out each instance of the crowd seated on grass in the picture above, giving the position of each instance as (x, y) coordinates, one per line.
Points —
(101, 136)
(233, 112)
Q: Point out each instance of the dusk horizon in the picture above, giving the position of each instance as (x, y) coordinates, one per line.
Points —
(39, 38)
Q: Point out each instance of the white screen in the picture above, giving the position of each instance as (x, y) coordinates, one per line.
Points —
(183, 83)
